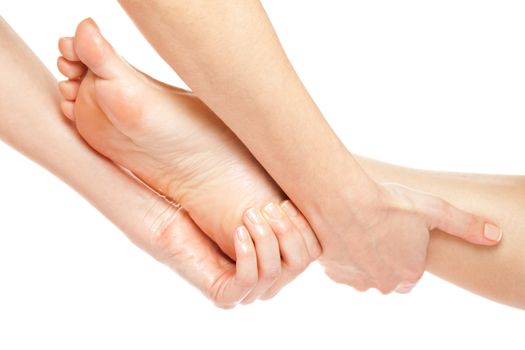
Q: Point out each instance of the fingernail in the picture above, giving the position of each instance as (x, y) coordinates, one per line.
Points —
(242, 234)
(254, 216)
(273, 211)
(492, 232)
(289, 208)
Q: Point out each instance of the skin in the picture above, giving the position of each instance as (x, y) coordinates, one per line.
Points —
(161, 229)
(361, 224)
(495, 272)
(159, 133)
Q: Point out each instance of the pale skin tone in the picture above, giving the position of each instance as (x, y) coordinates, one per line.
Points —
(498, 272)
(178, 146)
(159, 229)
(202, 168)
(41, 132)
(245, 77)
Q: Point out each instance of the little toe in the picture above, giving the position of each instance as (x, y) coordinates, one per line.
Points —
(66, 48)
(72, 70)
(69, 89)
(68, 108)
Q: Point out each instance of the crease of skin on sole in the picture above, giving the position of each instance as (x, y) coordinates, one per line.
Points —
(118, 111)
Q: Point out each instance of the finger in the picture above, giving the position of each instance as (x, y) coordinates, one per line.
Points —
(350, 275)
(405, 288)
(69, 89)
(474, 229)
(68, 108)
(302, 225)
(293, 248)
(238, 286)
(72, 70)
(65, 46)
(387, 284)
(268, 254)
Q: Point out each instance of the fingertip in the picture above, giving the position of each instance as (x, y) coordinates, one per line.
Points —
(485, 235)
(242, 235)
(492, 233)
(289, 208)
(90, 22)
(269, 295)
(303, 227)
(405, 288)
(243, 243)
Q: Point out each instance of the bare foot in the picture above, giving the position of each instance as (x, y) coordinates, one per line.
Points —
(170, 140)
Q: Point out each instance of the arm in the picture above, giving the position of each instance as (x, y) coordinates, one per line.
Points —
(498, 272)
(32, 123)
(230, 56)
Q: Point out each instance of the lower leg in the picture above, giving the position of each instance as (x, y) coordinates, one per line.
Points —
(494, 272)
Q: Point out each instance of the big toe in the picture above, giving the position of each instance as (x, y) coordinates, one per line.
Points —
(95, 51)
(119, 90)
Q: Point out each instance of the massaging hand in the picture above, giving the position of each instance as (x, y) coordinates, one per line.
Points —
(384, 245)
(183, 246)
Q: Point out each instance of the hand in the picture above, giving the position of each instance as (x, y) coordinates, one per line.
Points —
(180, 244)
(384, 245)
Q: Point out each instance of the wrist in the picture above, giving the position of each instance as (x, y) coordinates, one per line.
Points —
(350, 194)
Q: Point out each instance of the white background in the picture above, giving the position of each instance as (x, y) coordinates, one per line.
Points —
(430, 84)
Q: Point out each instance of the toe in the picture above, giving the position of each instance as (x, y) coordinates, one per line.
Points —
(69, 89)
(121, 93)
(72, 70)
(68, 108)
(65, 46)
(95, 51)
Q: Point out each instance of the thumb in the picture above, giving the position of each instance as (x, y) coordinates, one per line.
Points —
(444, 216)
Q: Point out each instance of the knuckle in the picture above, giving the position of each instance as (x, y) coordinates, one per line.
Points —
(271, 272)
(473, 224)
(388, 282)
(385, 289)
(444, 208)
(316, 252)
(247, 282)
(283, 227)
(412, 276)
(336, 277)
(299, 266)
(361, 284)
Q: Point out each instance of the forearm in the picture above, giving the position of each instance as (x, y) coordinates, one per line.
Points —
(31, 122)
(495, 272)
(230, 56)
